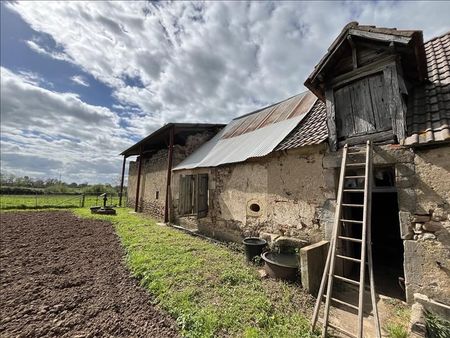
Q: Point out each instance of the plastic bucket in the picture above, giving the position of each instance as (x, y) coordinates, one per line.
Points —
(254, 247)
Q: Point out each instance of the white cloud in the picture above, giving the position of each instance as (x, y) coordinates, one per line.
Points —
(209, 61)
(78, 79)
(195, 62)
(45, 132)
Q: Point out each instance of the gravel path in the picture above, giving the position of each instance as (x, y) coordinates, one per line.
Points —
(62, 276)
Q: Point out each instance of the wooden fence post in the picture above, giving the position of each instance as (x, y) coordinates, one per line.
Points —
(82, 200)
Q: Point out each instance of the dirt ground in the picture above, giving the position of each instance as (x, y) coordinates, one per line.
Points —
(62, 276)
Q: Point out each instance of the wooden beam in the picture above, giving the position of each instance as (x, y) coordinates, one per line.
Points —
(363, 71)
(169, 175)
(121, 180)
(380, 36)
(381, 137)
(138, 183)
(331, 119)
(354, 52)
(397, 108)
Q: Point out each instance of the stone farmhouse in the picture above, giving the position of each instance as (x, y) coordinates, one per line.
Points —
(274, 172)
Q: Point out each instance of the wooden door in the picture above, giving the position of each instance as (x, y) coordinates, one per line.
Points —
(202, 195)
(362, 107)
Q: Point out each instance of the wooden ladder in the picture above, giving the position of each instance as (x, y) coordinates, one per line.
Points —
(365, 242)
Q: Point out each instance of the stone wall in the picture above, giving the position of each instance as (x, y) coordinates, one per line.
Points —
(427, 246)
(422, 181)
(153, 185)
(296, 194)
(288, 188)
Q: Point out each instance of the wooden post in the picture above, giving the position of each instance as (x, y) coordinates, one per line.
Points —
(83, 196)
(138, 183)
(121, 180)
(169, 174)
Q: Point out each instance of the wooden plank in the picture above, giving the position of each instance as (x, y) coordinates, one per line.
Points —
(202, 195)
(380, 36)
(379, 103)
(331, 119)
(396, 106)
(382, 137)
(344, 112)
(361, 72)
(362, 107)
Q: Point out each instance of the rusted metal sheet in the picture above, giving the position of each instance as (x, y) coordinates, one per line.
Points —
(292, 107)
(253, 135)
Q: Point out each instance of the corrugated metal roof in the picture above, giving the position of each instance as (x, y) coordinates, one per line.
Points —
(428, 112)
(252, 135)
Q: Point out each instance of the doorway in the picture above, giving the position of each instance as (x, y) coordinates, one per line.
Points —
(387, 245)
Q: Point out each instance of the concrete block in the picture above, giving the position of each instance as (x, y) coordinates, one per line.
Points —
(290, 242)
(433, 306)
(405, 225)
(407, 199)
(421, 218)
(432, 226)
(312, 264)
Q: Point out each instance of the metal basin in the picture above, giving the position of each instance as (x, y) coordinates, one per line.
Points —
(281, 266)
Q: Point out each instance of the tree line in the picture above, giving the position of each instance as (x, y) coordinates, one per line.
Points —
(11, 184)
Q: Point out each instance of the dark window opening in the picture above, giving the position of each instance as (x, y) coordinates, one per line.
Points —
(255, 207)
(157, 195)
(193, 198)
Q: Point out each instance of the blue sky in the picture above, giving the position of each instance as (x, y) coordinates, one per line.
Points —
(84, 83)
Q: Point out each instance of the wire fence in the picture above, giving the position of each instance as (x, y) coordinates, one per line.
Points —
(42, 201)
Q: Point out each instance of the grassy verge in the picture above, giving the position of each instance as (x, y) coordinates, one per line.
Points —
(208, 288)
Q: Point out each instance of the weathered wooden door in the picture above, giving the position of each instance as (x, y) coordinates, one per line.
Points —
(202, 195)
(362, 107)
(185, 200)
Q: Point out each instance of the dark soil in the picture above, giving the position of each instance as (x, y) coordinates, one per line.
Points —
(62, 276)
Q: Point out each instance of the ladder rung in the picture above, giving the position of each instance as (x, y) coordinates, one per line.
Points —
(350, 281)
(353, 205)
(355, 164)
(349, 258)
(353, 190)
(351, 221)
(344, 303)
(355, 176)
(350, 239)
(340, 329)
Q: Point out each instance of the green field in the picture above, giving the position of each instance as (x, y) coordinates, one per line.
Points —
(51, 201)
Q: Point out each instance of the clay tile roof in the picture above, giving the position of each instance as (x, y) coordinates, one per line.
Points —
(312, 130)
(428, 112)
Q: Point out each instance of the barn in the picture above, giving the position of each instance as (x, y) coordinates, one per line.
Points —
(274, 172)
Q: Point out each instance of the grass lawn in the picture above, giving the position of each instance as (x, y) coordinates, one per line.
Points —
(207, 287)
(49, 201)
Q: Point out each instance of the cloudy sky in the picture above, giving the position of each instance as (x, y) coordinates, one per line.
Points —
(82, 81)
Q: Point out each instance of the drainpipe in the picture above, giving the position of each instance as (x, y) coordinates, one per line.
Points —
(121, 180)
(136, 205)
(169, 175)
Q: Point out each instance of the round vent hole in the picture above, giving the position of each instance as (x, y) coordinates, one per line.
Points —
(255, 207)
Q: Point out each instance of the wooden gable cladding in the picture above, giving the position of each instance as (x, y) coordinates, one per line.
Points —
(367, 103)
(362, 107)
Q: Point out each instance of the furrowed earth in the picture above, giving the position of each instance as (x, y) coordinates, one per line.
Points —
(63, 276)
